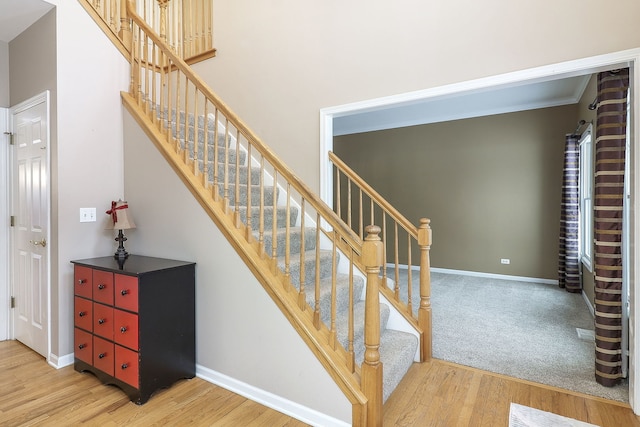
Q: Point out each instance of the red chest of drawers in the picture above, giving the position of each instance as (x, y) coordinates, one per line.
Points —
(134, 322)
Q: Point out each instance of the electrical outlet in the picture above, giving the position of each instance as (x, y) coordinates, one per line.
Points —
(87, 214)
(505, 261)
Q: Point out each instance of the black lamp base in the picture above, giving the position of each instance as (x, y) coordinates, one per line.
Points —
(121, 253)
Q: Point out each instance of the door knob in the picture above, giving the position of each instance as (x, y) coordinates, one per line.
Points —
(42, 243)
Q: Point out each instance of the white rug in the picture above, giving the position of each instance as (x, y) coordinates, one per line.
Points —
(524, 416)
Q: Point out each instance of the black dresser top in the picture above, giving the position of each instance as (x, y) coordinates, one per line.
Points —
(133, 265)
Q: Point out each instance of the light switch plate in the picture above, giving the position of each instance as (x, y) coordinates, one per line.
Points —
(87, 214)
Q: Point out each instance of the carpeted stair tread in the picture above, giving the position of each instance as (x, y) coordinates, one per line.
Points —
(342, 299)
(342, 324)
(231, 168)
(295, 238)
(397, 351)
(325, 268)
(267, 192)
(281, 216)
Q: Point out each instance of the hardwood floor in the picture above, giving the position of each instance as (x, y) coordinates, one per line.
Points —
(33, 393)
(445, 394)
(433, 394)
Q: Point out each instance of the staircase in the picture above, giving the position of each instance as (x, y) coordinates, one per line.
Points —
(307, 262)
(321, 270)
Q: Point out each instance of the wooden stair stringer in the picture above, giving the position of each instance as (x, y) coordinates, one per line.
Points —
(334, 360)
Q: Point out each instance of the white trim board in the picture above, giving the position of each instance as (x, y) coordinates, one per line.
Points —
(589, 305)
(5, 330)
(495, 276)
(44, 97)
(480, 274)
(270, 400)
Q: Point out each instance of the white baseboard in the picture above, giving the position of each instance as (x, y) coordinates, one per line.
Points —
(486, 275)
(270, 400)
(60, 362)
(589, 305)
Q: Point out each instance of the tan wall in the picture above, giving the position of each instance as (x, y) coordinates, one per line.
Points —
(491, 186)
(280, 62)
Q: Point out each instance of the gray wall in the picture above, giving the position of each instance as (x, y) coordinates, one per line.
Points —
(32, 61)
(4, 74)
(491, 186)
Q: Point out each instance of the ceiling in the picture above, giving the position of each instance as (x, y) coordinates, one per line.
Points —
(17, 15)
(495, 100)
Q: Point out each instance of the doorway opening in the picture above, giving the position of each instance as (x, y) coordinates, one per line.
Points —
(533, 76)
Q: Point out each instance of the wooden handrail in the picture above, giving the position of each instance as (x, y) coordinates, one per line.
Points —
(179, 109)
(327, 213)
(367, 189)
(193, 42)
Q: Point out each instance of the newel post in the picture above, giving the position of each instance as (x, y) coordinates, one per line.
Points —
(424, 312)
(125, 23)
(163, 18)
(371, 371)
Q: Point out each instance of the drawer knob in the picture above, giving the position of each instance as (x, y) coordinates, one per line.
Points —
(82, 313)
(102, 355)
(124, 292)
(101, 286)
(81, 346)
(123, 329)
(124, 366)
(82, 281)
(101, 321)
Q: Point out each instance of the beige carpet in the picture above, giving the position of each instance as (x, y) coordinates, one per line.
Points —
(520, 329)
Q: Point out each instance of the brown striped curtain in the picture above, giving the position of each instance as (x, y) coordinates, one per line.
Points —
(611, 129)
(569, 258)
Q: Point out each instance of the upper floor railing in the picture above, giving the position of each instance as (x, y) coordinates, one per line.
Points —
(185, 25)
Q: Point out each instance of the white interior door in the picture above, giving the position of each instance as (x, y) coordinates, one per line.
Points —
(30, 209)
